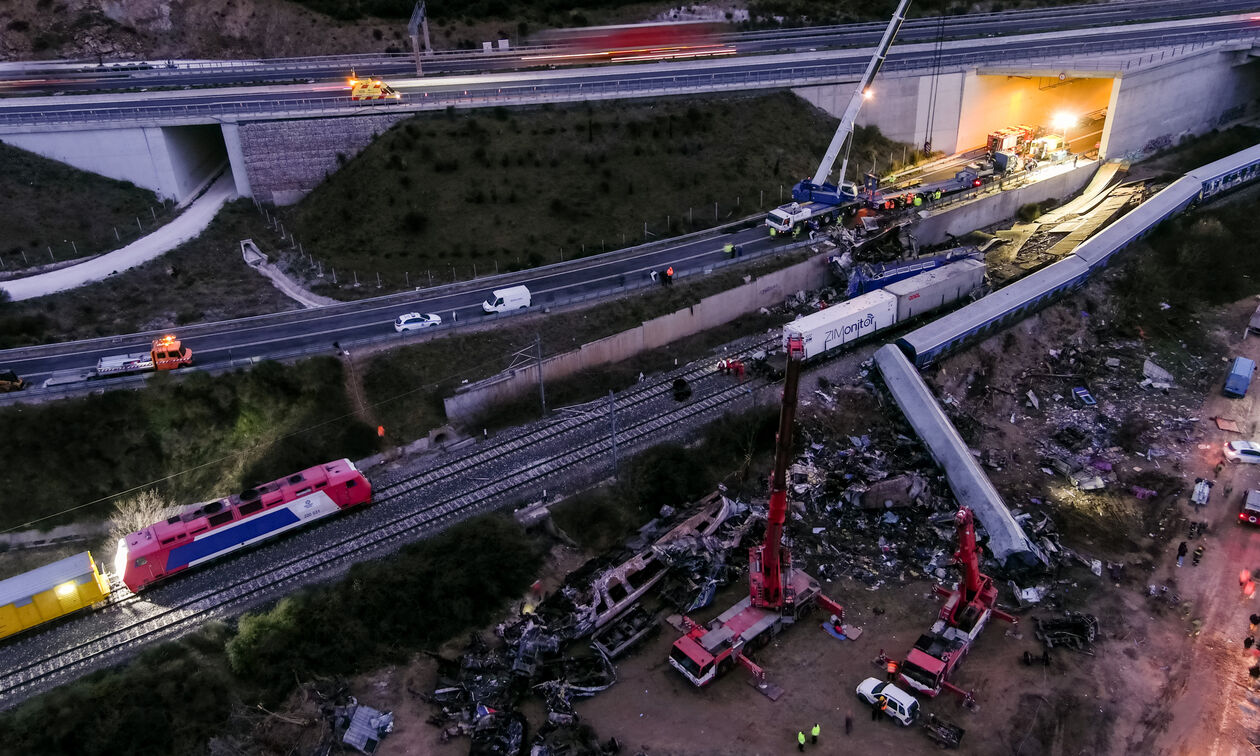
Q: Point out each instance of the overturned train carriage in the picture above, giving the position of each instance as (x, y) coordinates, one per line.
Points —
(995, 312)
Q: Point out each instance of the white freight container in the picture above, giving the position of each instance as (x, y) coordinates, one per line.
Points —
(936, 288)
(845, 322)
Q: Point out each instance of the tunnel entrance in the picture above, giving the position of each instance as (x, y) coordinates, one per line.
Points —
(177, 162)
(1016, 108)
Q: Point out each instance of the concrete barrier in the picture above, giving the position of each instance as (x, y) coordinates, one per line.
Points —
(937, 227)
(710, 312)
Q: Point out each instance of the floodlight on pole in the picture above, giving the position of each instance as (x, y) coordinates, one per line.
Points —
(1062, 122)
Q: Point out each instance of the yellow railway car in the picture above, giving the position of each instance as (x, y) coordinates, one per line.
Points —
(48, 592)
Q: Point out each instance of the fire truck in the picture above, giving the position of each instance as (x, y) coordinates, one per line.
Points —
(1013, 139)
(968, 607)
(779, 595)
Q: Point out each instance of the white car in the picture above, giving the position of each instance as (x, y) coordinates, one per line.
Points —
(902, 706)
(413, 320)
(1242, 451)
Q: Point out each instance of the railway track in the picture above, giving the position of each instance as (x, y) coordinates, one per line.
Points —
(29, 678)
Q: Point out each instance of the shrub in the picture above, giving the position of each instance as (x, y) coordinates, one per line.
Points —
(415, 221)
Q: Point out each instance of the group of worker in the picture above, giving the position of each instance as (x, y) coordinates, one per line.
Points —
(1250, 648)
(816, 730)
(813, 733)
(733, 250)
(666, 278)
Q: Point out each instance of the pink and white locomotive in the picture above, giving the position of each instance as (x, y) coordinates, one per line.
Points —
(204, 532)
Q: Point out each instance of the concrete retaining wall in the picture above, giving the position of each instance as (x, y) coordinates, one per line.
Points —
(710, 312)
(899, 108)
(284, 160)
(1154, 108)
(172, 161)
(939, 226)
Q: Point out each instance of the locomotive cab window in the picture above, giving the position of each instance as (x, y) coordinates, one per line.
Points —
(351, 484)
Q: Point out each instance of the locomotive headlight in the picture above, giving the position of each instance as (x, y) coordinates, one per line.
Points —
(120, 557)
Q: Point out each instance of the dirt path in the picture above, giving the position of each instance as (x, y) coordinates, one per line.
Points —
(1210, 705)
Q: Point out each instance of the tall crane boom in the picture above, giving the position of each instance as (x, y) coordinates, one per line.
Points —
(817, 188)
(769, 563)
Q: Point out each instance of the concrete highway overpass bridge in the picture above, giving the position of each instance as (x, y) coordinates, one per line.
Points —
(1153, 82)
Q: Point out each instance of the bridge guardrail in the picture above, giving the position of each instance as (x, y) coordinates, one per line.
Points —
(794, 75)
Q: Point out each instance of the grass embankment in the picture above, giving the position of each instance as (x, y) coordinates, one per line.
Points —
(173, 699)
(50, 204)
(1172, 289)
(1209, 147)
(667, 474)
(203, 280)
(176, 697)
(409, 383)
(510, 190)
(200, 435)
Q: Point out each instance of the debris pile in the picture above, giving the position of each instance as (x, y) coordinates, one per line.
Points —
(362, 726)
(876, 507)
(477, 694)
(1073, 630)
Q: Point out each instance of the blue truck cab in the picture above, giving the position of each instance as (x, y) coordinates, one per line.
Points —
(1239, 377)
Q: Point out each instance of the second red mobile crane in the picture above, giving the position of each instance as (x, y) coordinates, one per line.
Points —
(778, 595)
(967, 609)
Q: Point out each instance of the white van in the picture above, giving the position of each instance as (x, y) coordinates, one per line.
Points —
(503, 300)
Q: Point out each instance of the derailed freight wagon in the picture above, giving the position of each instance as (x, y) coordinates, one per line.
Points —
(51, 591)
(839, 324)
(936, 288)
(859, 317)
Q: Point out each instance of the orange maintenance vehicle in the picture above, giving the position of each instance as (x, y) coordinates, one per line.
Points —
(367, 88)
(166, 354)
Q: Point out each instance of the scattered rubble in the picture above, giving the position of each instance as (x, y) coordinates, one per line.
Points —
(1073, 630)
(363, 726)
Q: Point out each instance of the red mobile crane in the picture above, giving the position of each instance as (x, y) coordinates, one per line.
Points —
(967, 609)
(778, 595)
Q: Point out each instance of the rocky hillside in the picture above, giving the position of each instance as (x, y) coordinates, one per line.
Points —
(158, 29)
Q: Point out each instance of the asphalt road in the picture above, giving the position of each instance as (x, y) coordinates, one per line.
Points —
(273, 336)
(586, 83)
(334, 68)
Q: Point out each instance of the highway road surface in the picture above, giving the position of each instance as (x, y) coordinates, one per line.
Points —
(45, 78)
(294, 332)
(739, 72)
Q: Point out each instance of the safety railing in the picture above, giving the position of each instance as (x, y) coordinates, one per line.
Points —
(1072, 54)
